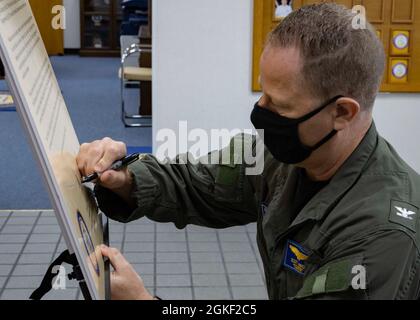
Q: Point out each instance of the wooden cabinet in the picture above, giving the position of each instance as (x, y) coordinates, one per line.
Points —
(100, 23)
(397, 24)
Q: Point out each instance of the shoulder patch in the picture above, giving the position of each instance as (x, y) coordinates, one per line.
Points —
(404, 214)
(295, 257)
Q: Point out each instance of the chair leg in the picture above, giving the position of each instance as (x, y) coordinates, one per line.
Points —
(125, 117)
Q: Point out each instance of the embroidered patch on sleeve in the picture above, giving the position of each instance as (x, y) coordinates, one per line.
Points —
(295, 257)
(404, 214)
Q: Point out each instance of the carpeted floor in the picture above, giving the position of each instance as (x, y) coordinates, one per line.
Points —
(91, 89)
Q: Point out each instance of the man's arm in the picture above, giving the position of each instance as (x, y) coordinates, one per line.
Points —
(383, 265)
(213, 195)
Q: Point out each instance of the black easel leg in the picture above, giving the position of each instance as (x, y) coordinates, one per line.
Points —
(85, 290)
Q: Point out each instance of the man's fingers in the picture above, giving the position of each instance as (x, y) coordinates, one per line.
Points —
(113, 152)
(98, 156)
(89, 155)
(116, 259)
(81, 158)
(126, 284)
(94, 155)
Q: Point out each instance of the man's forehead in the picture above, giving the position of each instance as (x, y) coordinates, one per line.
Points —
(280, 78)
(281, 65)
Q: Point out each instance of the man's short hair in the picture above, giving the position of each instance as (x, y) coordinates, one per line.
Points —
(338, 59)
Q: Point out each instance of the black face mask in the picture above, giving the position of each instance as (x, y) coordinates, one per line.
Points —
(281, 135)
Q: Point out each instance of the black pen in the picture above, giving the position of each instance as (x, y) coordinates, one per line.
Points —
(117, 165)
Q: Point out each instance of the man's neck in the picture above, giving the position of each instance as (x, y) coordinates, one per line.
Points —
(325, 167)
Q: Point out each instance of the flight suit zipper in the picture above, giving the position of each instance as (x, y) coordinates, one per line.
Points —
(264, 252)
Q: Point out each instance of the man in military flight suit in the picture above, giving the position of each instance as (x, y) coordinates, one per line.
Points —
(337, 209)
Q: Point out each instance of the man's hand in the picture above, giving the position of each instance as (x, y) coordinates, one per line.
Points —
(126, 284)
(98, 156)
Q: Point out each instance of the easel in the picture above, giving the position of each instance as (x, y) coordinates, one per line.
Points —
(76, 274)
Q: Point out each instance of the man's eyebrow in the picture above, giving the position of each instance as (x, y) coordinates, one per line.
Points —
(280, 104)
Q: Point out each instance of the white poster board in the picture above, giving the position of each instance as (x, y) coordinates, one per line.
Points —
(45, 118)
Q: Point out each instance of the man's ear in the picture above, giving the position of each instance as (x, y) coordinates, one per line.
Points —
(347, 109)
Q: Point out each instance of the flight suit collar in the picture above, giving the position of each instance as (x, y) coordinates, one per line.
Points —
(345, 177)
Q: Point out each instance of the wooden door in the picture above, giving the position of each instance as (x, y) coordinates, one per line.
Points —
(53, 39)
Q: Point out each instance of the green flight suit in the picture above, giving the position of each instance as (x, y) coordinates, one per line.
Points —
(357, 238)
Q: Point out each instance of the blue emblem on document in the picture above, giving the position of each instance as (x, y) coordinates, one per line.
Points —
(295, 257)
